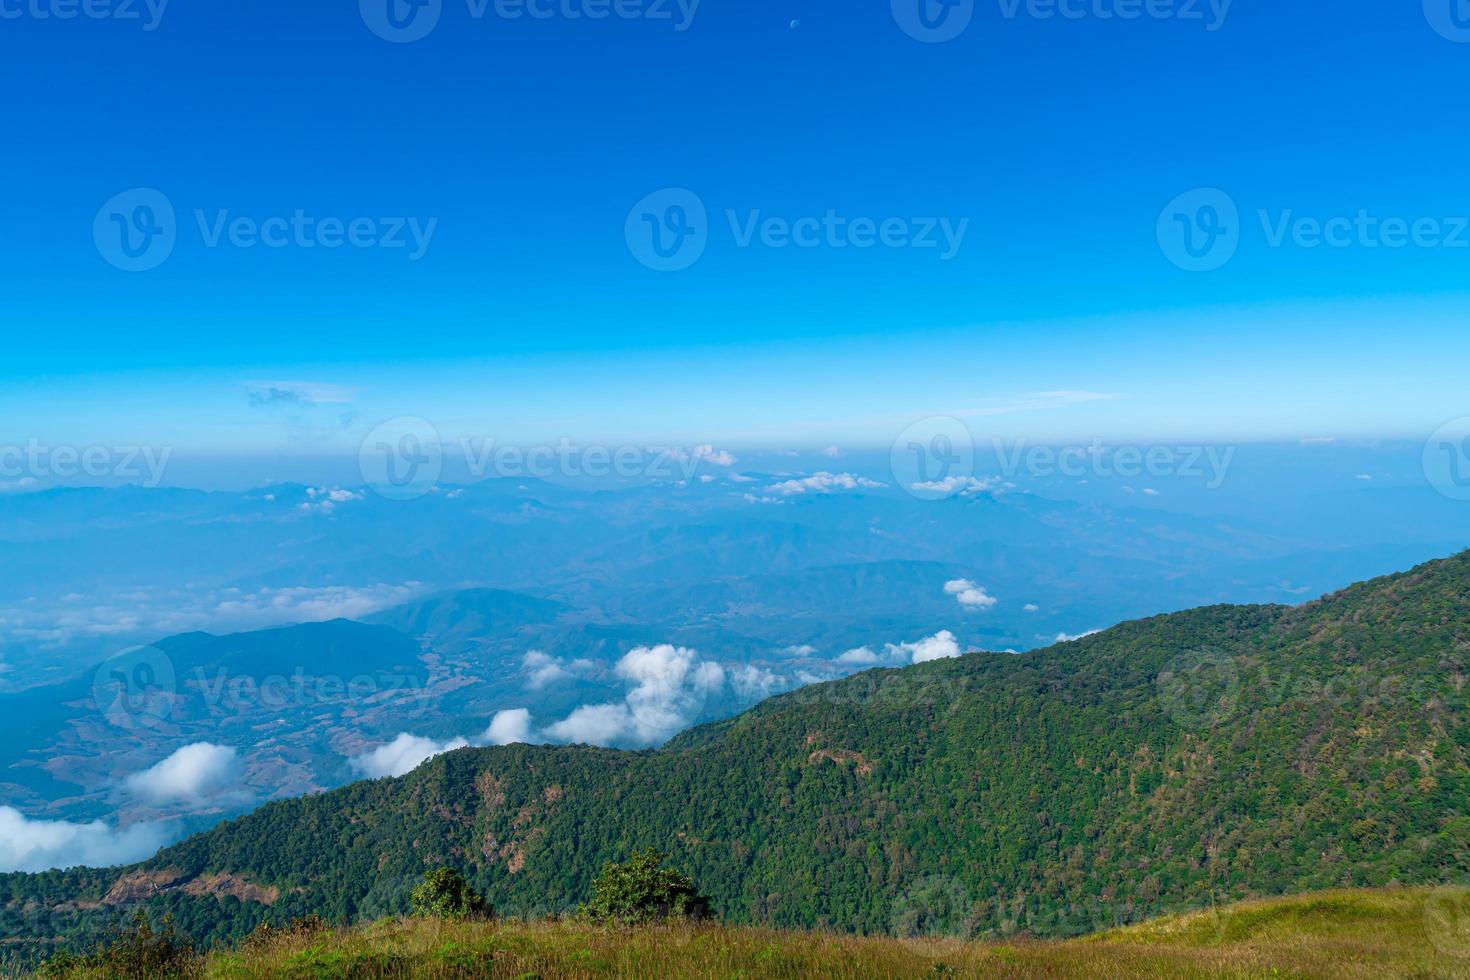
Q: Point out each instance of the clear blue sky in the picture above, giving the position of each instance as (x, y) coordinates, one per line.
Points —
(528, 141)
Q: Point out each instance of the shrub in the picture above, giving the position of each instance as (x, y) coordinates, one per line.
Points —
(141, 952)
(642, 890)
(267, 935)
(444, 894)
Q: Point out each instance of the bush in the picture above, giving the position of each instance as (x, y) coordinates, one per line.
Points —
(139, 952)
(642, 890)
(267, 935)
(444, 894)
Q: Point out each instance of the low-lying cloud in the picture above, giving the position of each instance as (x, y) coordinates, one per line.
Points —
(824, 482)
(969, 595)
(940, 646)
(39, 845)
(402, 755)
(189, 775)
(543, 670)
(509, 727)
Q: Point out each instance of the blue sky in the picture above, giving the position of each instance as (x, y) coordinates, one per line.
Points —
(523, 144)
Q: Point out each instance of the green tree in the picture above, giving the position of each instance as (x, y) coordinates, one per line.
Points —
(642, 890)
(444, 894)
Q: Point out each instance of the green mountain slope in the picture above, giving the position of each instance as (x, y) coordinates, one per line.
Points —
(1202, 756)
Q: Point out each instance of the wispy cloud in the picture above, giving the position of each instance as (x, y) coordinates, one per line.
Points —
(275, 394)
(824, 483)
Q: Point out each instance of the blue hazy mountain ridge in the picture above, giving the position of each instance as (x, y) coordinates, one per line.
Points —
(93, 570)
(461, 620)
(64, 753)
(443, 602)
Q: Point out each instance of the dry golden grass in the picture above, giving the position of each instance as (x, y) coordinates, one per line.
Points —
(1412, 933)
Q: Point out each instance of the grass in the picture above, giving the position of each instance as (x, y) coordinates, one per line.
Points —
(1410, 933)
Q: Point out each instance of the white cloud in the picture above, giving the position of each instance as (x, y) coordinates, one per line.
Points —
(754, 683)
(751, 498)
(710, 454)
(38, 845)
(823, 482)
(669, 689)
(962, 485)
(831, 452)
(1069, 637)
(509, 727)
(940, 646)
(798, 650)
(969, 595)
(1363, 476)
(190, 774)
(1031, 607)
(322, 500)
(543, 669)
(860, 655)
(402, 755)
(1150, 492)
(594, 724)
(308, 604)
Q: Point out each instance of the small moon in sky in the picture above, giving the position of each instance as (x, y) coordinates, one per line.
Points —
(795, 24)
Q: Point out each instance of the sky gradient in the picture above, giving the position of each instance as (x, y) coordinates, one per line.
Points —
(519, 147)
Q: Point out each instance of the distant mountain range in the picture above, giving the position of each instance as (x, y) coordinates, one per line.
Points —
(1165, 763)
(93, 571)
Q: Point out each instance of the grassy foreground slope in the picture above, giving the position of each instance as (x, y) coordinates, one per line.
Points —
(1337, 935)
(1166, 764)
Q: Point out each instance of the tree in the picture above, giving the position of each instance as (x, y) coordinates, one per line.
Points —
(444, 894)
(642, 890)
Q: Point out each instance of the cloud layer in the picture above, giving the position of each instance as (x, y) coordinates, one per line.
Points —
(37, 845)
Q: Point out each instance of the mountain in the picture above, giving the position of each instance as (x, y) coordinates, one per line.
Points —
(456, 618)
(95, 571)
(1213, 754)
(294, 698)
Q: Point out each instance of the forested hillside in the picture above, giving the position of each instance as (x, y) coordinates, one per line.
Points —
(1201, 756)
